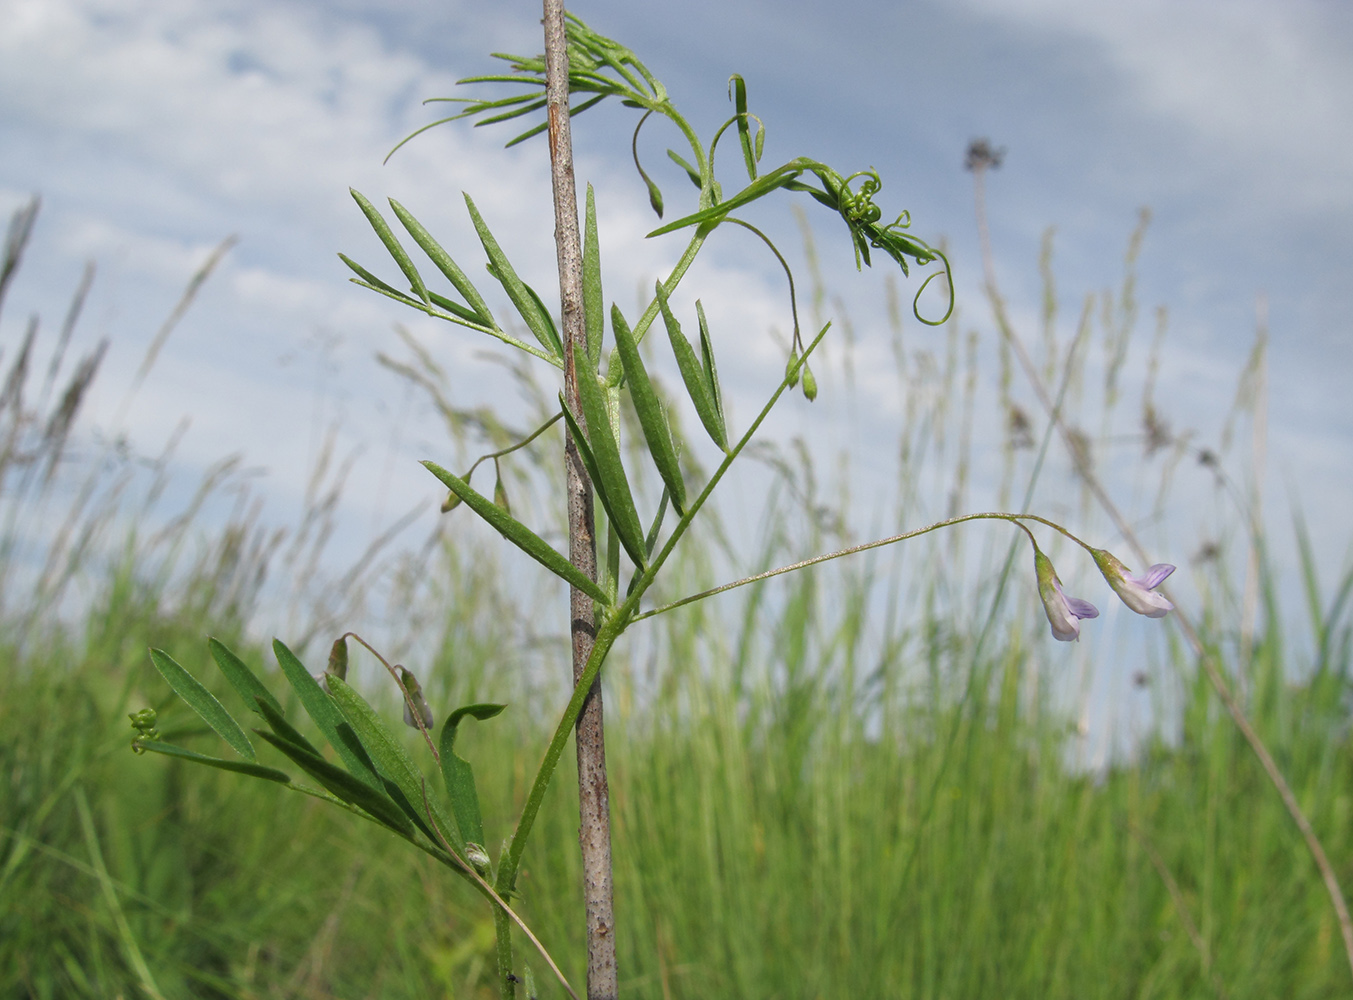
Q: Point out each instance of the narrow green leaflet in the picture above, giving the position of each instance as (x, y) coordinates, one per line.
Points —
(522, 300)
(651, 539)
(327, 716)
(594, 306)
(611, 471)
(691, 172)
(459, 775)
(692, 374)
(392, 760)
(546, 320)
(241, 678)
(652, 420)
(738, 92)
(238, 766)
(285, 730)
(392, 244)
(376, 284)
(342, 784)
(518, 534)
(711, 370)
(599, 486)
(203, 702)
(444, 263)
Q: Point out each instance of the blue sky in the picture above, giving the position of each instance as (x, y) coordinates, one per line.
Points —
(154, 128)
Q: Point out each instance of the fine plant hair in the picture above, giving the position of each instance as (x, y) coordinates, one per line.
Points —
(374, 776)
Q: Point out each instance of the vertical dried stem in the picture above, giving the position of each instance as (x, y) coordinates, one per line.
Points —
(594, 831)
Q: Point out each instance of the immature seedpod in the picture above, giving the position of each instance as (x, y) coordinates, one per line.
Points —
(500, 493)
(809, 384)
(451, 502)
(790, 372)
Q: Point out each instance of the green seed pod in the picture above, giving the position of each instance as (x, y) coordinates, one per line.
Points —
(500, 494)
(451, 502)
(809, 384)
(790, 373)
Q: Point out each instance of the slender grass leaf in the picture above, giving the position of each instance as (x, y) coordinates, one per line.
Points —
(691, 172)
(524, 301)
(691, 373)
(392, 244)
(392, 760)
(652, 420)
(238, 766)
(738, 92)
(283, 729)
(711, 370)
(573, 111)
(327, 716)
(241, 678)
(203, 702)
(594, 305)
(518, 534)
(611, 472)
(459, 775)
(342, 784)
(445, 264)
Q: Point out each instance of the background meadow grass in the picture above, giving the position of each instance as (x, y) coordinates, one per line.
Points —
(868, 780)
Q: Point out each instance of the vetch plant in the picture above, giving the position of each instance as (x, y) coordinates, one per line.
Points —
(367, 768)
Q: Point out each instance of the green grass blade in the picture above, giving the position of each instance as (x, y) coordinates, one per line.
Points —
(594, 305)
(518, 534)
(391, 759)
(392, 244)
(327, 716)
(691, 374)
(238, 766)
(459, 775)
(203, 702)
(342, 784)
(445, 264)
(652, 420)
(241, 678)
(610, 470)
(522, 300)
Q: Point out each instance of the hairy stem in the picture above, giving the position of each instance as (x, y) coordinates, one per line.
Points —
(594, 828)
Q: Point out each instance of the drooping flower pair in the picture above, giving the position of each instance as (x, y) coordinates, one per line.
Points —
(1137, 592)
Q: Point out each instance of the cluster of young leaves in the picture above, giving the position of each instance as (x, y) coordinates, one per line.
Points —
(374, 775)
(603, 68)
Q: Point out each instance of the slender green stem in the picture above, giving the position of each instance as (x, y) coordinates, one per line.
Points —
(852, 550)
(515, 447)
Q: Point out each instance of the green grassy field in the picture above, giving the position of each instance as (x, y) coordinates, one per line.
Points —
(808, 800)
